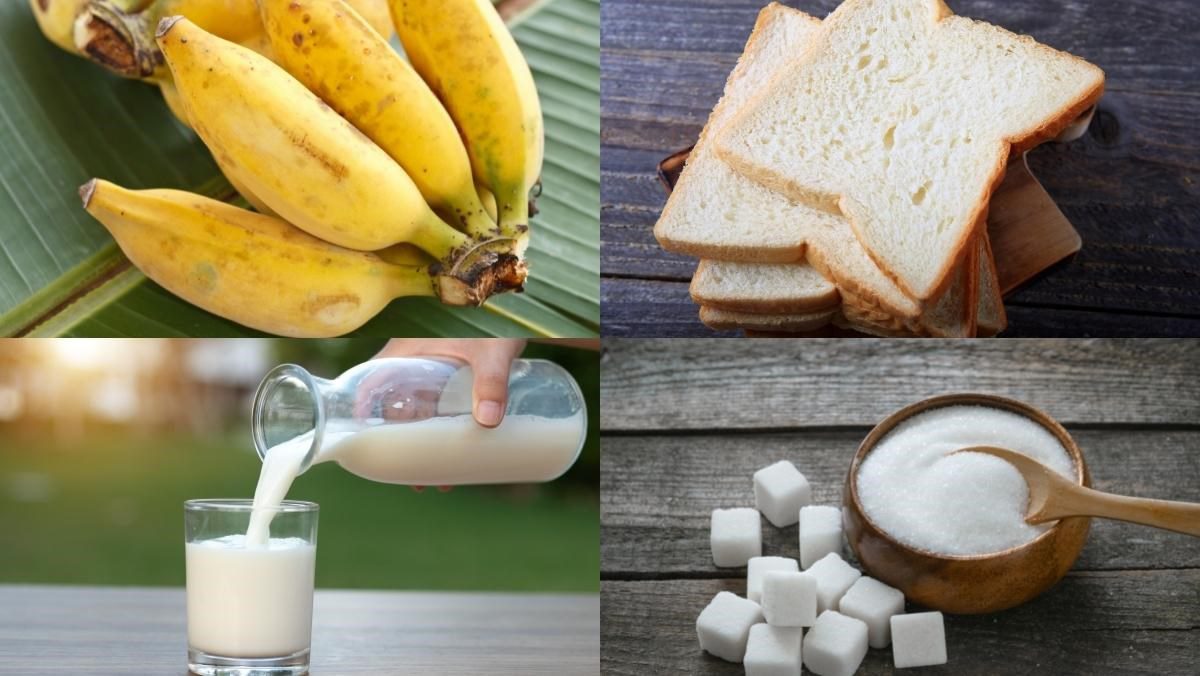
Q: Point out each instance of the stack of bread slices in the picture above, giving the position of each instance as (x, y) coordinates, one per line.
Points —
(845, 175)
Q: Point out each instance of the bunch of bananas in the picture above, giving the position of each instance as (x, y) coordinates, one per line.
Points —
(374, 178)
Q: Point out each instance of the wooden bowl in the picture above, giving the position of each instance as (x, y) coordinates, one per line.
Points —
(981, 583)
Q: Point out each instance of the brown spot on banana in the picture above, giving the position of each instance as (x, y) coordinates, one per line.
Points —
(329, 307)
(334, 167)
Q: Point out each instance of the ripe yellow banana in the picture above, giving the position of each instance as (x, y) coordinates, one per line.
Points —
(314, 168)
(332, 50)
(467, 56)
(114, 35)
(308, 163)
(253, 269)
(175, 104)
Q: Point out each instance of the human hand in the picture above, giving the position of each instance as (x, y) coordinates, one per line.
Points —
(490, 360)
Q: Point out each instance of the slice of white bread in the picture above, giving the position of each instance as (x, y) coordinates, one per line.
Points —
(772, 288)
(901, 116)
(715, 212)
(988, 310)
(833, 248)
(724, 320)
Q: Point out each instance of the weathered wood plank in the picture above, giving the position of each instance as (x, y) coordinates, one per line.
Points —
(653, 308)
(658, 493)
(638, 307)
(1139, 42)
(105, 630)
(665, 384)
(1053, 321)
(1131, 186)
(1142, 622)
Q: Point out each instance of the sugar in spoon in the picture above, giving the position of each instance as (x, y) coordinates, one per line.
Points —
(1053, 496)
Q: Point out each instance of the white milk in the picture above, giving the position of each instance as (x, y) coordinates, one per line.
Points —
(443, 451)
(451, 451)
(250, 601)
(911, 487)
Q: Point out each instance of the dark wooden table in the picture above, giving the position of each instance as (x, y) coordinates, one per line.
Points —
(134, 631)
(686, 423)
(1131, 186)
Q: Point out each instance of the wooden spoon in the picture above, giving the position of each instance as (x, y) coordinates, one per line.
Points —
(1053, 496)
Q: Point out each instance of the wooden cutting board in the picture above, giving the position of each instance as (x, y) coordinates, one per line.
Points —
(1028, 232)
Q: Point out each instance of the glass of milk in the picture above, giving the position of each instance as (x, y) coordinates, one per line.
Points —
(249, 606)
(408, 421)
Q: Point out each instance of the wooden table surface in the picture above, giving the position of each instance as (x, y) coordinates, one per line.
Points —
(686, 423)
(1131, 186)
(128, 631)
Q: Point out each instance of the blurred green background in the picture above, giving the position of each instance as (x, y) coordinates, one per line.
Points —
(101, 441)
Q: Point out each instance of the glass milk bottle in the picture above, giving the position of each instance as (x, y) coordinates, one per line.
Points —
(408, 421)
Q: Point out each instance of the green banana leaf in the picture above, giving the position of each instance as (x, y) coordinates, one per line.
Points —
(64, 120)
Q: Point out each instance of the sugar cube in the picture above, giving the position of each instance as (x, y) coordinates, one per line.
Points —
(736, 536)
(780, 490)
(773, 651)
(724, 625)
(760, 565)
(918, 640)
(834, 577)
(820, 533)
(873, 602)
(835, 645)
(789, 599)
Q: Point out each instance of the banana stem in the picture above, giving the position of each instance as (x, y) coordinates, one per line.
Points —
(120, 42)
(411, 280)
(440, 240)
(514, 219)
(468, 272)
(479, 225)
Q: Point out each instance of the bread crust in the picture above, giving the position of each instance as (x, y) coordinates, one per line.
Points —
(722, 320)
(985, 327)
(798, 304)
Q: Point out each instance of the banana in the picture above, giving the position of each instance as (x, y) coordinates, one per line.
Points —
(253, 269)
(175, 104)
(487, 199)
(467, 56)
(313, 168)
(119, 34)
(405, 254)
(332, 50)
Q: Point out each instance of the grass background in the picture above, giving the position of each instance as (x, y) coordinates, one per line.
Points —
(111, 511)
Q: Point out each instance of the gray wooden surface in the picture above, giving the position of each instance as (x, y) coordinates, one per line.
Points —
(133, 631)
(686, 423)
(684, 384)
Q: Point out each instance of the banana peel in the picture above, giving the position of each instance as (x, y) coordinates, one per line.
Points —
(119, 35)
(251, 268)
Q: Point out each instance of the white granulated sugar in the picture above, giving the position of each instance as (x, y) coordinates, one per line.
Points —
(959, 505)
